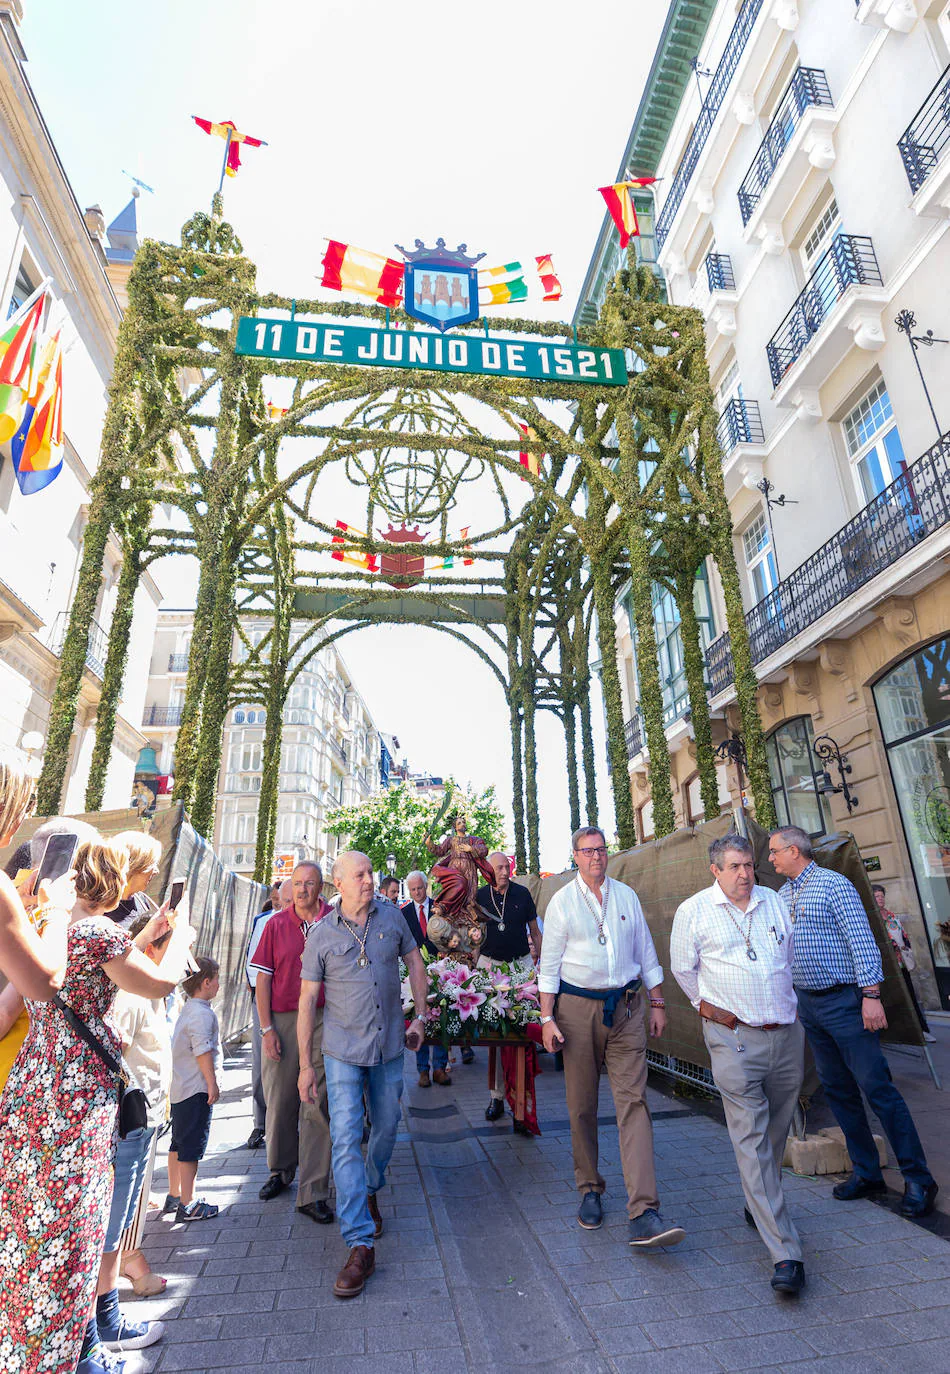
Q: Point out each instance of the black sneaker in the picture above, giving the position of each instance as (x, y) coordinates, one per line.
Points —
(256, 1139)
(591, 1214)
(789, 1276)
(274, 1186)
(650, 1229)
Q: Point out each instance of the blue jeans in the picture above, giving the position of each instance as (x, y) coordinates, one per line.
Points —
(353, 1178)
(849, 1059)
(440, 1057)
(131, 1158)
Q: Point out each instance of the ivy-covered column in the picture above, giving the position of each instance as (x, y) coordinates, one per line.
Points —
(214, 706)
(587, 747)
(570, 745)
(134, 546)
(651, 690)
(531, 784)
(275, 699)
(186, 743)
(517, 783)
(694, 667)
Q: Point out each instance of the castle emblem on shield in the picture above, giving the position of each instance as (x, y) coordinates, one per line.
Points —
(441, 286)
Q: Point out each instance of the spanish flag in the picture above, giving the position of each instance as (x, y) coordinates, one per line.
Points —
(345, 553)
(17, 358)
(502, 285)
(529, 459)
(346, 268)
(620, 206)
(550, 284)
(37, 446)
(227, 130)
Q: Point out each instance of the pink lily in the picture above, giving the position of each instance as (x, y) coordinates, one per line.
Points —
(467, 1003)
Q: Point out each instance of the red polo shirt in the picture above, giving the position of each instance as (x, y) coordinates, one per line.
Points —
(279, 953)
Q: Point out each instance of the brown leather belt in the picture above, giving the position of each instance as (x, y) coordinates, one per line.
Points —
(710, 1012)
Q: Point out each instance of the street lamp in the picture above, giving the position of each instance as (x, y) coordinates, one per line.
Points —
(391, 864)
(733, 749)
(827, 750)
(906, 322)
(766, 488)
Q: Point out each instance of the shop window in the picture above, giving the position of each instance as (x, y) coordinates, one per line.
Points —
(913, 706)
(645, 822)
(793, 770)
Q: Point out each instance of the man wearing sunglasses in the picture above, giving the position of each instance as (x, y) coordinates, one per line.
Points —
(596, 955)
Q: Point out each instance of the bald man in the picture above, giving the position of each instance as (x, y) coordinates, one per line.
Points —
(353, 955)
(511, 916)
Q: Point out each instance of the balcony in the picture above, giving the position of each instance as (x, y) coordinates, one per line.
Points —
(890, 526)
(715, 97)
(633, 733)
(178, 663)
(923, 148)
(719, 272)
(739, 423)
(798, 139)
(840, 305)
(162, 716)
(337, 753)
(97, 645)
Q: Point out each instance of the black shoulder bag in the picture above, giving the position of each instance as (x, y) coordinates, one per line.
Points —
(133, 1106)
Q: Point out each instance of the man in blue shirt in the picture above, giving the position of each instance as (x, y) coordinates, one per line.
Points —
(837, 974)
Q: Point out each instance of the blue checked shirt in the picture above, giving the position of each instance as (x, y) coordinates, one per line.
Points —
(833, 941)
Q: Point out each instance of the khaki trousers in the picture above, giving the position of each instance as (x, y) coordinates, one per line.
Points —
(588, 1045)
(297, 1135)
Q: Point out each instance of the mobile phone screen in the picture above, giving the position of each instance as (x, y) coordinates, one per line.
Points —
(177, 892)
(57, 858)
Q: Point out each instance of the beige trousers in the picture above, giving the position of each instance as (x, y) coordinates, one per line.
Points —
(297, 1135)
(588, 1045)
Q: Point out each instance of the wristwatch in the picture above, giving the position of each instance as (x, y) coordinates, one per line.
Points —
(265, 1030)
(546, 1019)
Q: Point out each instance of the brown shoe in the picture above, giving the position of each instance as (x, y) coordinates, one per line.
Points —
(374, 1213)
(360, 1263)
(424, 1080)
(443, 1077)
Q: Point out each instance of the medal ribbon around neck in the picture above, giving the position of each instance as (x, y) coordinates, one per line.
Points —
(597, 913)
(363, 960)
(797, 896)
(746, 934)
(499, 914)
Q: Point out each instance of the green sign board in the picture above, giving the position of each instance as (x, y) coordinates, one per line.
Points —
(360, 346)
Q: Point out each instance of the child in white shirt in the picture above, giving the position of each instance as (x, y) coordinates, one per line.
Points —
(196, 1067)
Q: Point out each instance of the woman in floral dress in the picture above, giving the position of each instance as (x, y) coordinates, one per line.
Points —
(57, 1130)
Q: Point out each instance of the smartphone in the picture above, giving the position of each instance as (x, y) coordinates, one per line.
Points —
(177, 892)
(57, 858)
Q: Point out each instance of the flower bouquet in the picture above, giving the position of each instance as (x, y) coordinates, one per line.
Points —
(470, 1004)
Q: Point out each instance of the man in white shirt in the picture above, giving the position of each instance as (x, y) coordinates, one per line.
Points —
(731, 953)
(281, 895)
(596, 954)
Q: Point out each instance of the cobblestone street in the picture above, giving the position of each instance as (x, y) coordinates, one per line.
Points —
(483, 1267)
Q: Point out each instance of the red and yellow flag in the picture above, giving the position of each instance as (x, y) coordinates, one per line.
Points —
(346, 268)
(550, 284)
(276, 412)
(529, 459)
(620, 206)
(450, 560)
(227, 130)
(343, 554)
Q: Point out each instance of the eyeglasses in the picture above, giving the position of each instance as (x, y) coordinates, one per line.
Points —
(597, 849)
(773, 852)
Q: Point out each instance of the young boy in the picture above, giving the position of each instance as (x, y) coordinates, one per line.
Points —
(196, 1063)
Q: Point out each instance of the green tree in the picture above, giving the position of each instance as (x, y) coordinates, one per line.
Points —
(397, 821)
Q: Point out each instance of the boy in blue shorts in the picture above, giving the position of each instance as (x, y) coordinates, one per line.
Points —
(196, 1065)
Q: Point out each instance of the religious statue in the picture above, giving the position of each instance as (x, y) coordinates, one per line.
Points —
(457, 923)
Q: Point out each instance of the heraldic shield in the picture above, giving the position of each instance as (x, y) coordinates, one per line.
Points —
(441, 286)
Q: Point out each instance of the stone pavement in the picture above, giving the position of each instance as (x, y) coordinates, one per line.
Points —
(483, 1267)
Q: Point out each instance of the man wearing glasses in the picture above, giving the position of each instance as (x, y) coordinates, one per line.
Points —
(837, 973)
(596, 954)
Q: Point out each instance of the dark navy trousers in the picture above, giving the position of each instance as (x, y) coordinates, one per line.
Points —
(850, 1060)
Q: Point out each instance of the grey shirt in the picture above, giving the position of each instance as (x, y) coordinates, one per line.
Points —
(363, 1022)
(196, 1032)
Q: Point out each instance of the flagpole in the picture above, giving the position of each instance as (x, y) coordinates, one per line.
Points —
(224, 164)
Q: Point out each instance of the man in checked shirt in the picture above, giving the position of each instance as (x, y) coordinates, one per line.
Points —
(837, 974)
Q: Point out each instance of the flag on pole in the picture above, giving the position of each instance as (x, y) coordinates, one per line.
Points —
(620, 206)
(529, 459)
(233, 137)
(17, 358)
(450, 560)
(276, 412)
(346, 536)
(550, 284)
(37, 445)
(502, 285)
(346, 268)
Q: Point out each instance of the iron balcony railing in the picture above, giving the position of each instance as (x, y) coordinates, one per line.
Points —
(808, 87)
(633, 733)
(740, 423)
(896, 521)
(97, 646)
(178, 663)
(719, 272)
(849, 260)
(338, 750)
(716, 94)
(163, 715)
(927, 134)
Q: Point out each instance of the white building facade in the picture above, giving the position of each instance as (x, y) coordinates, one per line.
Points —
(331, 750)
(803, 204)
(44, 234)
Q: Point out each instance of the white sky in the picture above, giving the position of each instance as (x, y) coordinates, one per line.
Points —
(491, 124)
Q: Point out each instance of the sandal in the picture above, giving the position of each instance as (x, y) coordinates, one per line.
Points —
(196, 1211)
(147, 1285)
